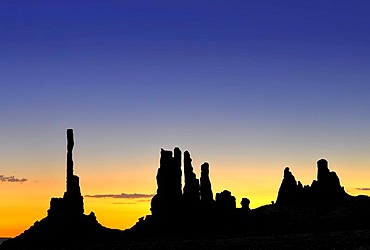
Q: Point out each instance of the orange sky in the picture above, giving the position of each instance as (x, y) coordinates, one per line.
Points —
(23, 204)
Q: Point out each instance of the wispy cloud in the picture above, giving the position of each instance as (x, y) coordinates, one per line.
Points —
(146, 200)
(121, 196)
(4, 178)
(363, 189)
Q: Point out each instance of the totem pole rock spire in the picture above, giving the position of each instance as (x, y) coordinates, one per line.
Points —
(73, 199)
(70, 145)
(65, 225)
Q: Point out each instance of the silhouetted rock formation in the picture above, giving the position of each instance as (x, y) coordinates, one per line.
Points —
(193, 213)
(191, 195)
(174, 211)
(289, 190)
(65, 225)
(327, 187)
(225, 201)
(206, 194)
(71, 204)
(325, 190)
(245, 204)
(168, 198)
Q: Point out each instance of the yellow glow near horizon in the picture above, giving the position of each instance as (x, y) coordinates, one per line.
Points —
(117, 213)
(23, 204)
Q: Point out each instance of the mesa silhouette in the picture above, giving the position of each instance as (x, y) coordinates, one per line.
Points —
(190, 211)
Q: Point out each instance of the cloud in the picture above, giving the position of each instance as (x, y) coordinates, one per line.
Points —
(146, 200)
(121, 196)
(363, 189)
(4, 178)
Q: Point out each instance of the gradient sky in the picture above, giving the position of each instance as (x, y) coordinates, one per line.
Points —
(249, 86)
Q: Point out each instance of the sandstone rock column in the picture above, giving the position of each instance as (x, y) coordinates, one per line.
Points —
(73, 200)
(70, 145)
(322, 170)
(168, 198)
(191, 189)
(206, 194)
(177, 171)
(288, 191)
(328, 185)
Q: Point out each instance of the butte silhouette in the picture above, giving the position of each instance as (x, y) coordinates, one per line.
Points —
(191, 211)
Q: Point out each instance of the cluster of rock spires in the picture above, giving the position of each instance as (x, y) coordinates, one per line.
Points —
(325, 190)
(191, 210)
(194, 202)
(170, 198)
(194, 196)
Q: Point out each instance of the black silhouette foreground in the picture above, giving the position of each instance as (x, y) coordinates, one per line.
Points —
(318, 216)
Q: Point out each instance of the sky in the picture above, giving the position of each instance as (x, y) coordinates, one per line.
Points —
(248, 86)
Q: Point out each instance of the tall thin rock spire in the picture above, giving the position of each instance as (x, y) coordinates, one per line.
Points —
(70, 145)
(73, 200)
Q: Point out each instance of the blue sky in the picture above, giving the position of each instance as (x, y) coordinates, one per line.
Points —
(161, 61)
(235, 79)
